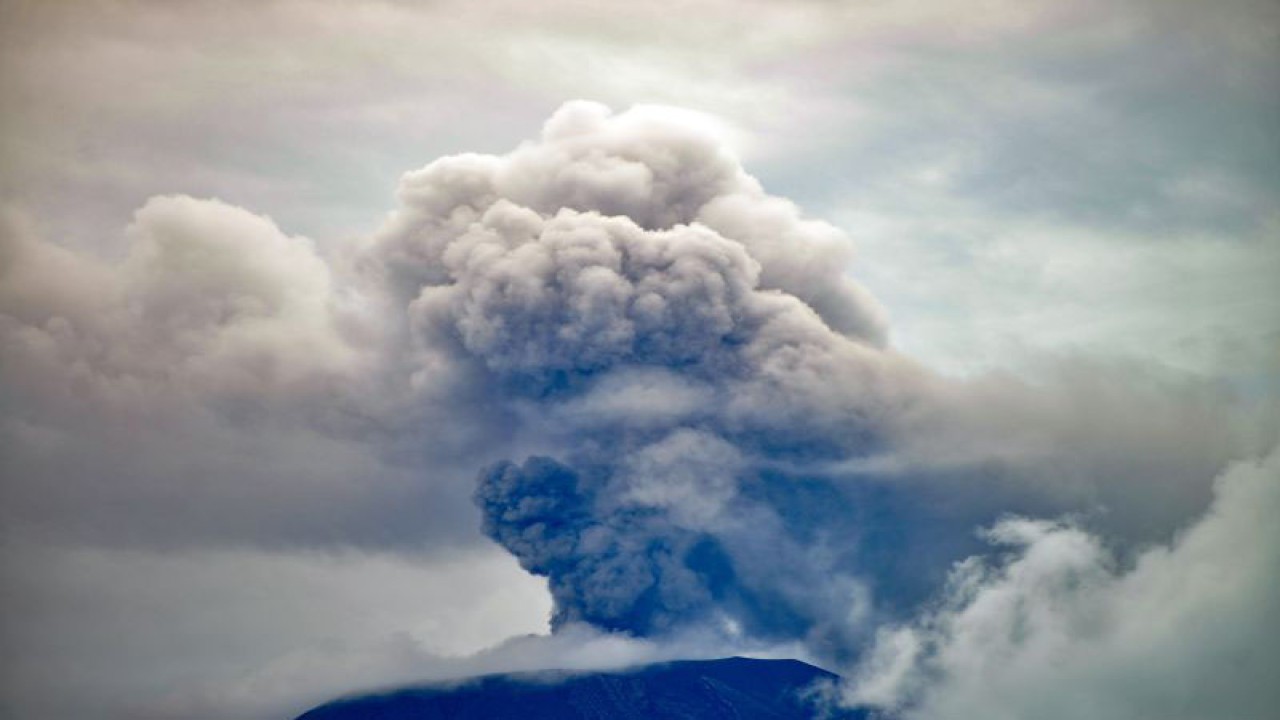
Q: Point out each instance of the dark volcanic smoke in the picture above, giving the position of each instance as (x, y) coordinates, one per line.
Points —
(686, 338)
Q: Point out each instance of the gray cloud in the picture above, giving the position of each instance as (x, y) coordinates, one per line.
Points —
(218, 633)
(210, 386)
(597, 251)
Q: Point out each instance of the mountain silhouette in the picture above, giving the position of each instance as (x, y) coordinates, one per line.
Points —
(727, 689)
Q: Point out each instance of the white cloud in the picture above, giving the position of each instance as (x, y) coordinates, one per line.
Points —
(1061, 628)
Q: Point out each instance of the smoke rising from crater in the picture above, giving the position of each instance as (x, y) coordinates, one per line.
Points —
(718, 431)
(626, 282)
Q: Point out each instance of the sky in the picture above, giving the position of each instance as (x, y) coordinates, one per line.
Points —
(352, 344)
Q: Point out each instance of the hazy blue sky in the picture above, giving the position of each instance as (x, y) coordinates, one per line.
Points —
(830, 301)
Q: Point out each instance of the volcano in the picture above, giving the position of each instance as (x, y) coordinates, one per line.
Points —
(726, 689)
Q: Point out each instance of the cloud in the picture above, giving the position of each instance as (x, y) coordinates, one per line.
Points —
(204, 365)
(1059, 627)
(210, 296)
(664, 389)
(243, 633)
(629, 249)
(221, 383)
(1034, 189)
(695, 339)
(596, 256)
(651, 166)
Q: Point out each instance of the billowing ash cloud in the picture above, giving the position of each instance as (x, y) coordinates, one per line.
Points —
(709, 398)
(657, 170)
(626, 283)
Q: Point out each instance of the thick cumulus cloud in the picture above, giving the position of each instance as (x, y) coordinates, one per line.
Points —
(1059, 628)
(217, 382)
(211, 302)
(168, 395)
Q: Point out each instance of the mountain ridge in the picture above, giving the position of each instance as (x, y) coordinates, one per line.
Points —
(734, 688)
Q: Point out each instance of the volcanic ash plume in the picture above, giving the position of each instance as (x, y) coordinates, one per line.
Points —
(706, 424)
(682, 339)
